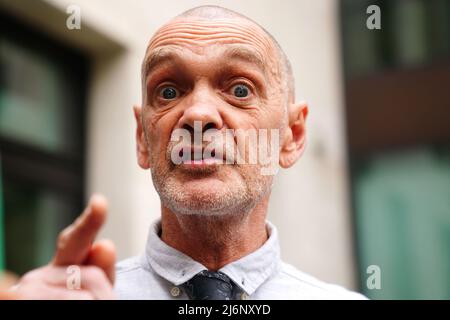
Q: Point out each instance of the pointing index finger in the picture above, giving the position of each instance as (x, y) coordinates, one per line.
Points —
(74, 242)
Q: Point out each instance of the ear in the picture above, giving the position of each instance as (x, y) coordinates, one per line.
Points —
(293, 143)
(141, 142)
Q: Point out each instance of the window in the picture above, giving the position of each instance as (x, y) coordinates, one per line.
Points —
(397, 111)
(42, 107)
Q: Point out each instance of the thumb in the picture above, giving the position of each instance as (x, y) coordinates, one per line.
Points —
(103, 255)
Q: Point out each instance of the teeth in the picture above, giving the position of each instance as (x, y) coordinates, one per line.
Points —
(204, 161)
(201, 156)
(198, 155)
(209, 160)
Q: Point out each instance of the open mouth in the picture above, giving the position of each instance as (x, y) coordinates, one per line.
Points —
(200, 157)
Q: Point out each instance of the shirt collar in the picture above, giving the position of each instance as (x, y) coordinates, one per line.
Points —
(249, 272)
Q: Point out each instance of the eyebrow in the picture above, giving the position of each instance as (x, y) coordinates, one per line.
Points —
(161, 55)
(241, 52)
(156, 57)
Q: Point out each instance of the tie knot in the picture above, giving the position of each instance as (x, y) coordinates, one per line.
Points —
(211, 285)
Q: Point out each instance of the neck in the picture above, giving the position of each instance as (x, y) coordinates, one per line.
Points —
(215, 241)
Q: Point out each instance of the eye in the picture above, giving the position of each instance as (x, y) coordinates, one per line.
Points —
(240, 91)
(168, 93)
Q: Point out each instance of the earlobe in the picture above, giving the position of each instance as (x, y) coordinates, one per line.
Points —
(141, 143)
(295, 135)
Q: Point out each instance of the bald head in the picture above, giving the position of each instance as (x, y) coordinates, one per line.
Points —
(217, 13)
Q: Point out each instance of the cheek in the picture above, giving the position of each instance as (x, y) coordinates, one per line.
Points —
(159, 130)
(266, 115)
(275, 110)
(270, 116)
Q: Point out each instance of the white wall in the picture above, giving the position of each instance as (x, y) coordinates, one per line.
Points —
(309, 203)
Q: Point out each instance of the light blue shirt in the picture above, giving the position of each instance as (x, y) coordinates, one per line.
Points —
(159, 273)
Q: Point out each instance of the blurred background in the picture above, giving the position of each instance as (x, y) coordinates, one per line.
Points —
(372, 189)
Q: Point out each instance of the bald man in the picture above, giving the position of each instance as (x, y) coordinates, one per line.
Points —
(218, 118)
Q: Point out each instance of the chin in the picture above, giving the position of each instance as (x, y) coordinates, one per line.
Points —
(208, 197)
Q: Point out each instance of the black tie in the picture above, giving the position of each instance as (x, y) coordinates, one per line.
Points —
(210, 285)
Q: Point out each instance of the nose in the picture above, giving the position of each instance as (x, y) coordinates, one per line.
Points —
(202, 110)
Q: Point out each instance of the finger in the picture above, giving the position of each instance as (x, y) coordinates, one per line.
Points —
(7, 280)
(94, 280)
(41, 292)
(75, 241)
(89, 278)
(103, 255)
(8, 295)
(65, 294)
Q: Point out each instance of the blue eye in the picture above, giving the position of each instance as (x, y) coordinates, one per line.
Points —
(169, 93)
(240, 91)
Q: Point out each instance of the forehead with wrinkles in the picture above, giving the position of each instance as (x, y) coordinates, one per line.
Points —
(198, 34)
(203, 32)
